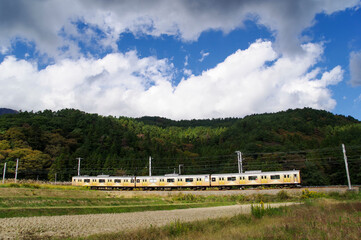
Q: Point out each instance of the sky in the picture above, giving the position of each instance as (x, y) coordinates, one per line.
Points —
(181, 59)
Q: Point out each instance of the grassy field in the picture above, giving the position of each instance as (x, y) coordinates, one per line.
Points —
(323, 216)
(319, 219)
(29, 199)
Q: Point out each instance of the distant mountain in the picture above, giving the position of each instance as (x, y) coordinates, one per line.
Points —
(7, 111)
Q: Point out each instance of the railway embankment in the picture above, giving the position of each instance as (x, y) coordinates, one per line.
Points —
(246, 192)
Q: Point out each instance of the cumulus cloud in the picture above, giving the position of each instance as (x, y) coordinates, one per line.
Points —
(355, 68)
(253, 80)
(50, 24)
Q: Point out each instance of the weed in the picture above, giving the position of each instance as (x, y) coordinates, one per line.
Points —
(283, 195)
(307, 194)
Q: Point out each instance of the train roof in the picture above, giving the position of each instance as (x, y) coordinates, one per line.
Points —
(174, 176)
(255, 173)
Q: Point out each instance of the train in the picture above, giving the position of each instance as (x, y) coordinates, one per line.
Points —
(198, 182)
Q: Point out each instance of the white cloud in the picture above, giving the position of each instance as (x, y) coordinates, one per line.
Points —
(49, 23)
(355, 68)
(124, 84)
(358, 99)
(203, 55)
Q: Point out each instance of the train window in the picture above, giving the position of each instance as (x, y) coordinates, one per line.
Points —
(138, 180)
(170, 180)
(109, 180)
(231, 179)
(79, 180)
(264, 177)
(179, 180)
(153, 180)
(117, 180)
(252, 177)
(132, 180)
(189, 179)
(101, 180)
(213, 179)
(87, 180)
(295, 175)
(161, 180)
(275, 177)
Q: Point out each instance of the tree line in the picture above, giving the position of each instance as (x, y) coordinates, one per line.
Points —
(48, 143)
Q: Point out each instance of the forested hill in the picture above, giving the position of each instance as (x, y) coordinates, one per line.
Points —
(49, 142)
(7, 111)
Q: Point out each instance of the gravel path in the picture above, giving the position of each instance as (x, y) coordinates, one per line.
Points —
(85, 225)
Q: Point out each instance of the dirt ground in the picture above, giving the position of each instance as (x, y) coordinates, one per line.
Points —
(85, 225)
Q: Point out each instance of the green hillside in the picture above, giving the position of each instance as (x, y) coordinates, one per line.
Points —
(49, 142)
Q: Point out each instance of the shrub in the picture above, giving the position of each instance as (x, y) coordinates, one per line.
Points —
(282, 195)
(306, 194)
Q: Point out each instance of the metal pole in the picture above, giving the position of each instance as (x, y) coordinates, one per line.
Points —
(240, 167)
(79, 165)
(346, 166)
(150, 166)
(179, 166)
(16, 169)
(4, 173)
(55, 177)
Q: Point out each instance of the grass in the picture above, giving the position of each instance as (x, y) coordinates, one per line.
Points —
(27, 202)
(31, 199)
(73, 210)
(323, 219)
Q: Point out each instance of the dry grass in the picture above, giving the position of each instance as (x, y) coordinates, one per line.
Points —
(321, 220)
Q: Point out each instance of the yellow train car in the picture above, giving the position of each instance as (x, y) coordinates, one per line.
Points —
(252, 178)
(200, 181)
(105, 182)
(173, 181)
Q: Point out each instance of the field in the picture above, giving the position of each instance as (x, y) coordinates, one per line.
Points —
(67, 212)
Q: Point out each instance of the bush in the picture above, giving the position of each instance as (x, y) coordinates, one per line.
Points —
(282, 195)
(307, 194)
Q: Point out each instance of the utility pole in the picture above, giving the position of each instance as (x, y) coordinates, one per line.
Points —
(16, 169)
(4, 173)
(79, 165)
(240, 167)
(346, 166)
(150, 166)
(55, 177)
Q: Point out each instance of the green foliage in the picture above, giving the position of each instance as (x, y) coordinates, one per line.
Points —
(307, 194)
(48, 143)
(283, 195)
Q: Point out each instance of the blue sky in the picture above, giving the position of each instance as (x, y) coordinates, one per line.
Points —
(181, 59)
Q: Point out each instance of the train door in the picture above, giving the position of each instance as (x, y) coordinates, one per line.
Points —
(161, 182)
(286, 178)
(221, 181)
(295, 179)
(179, 182)
(144, 182)
(264, 179)
(242, 180)
(199, 182)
